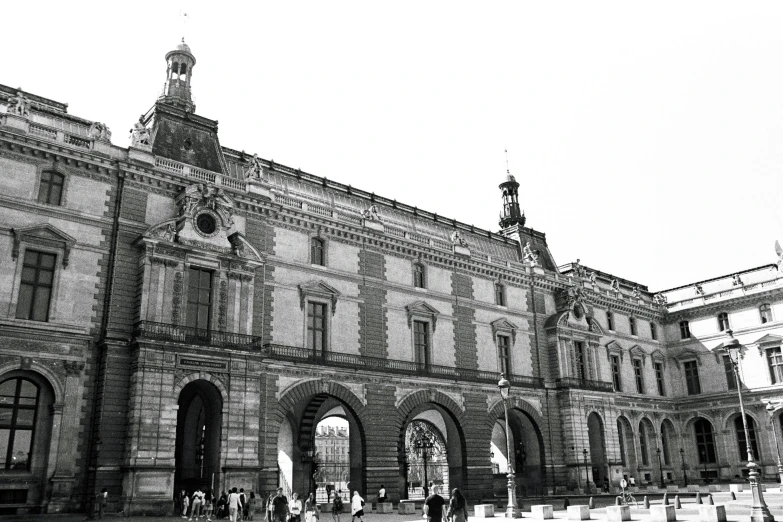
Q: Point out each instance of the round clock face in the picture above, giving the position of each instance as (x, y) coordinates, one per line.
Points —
(206, 224)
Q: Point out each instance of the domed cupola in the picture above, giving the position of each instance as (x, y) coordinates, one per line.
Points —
(511, 214)
(179, 71)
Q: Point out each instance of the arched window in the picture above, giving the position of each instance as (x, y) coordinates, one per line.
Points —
(621, 438)
(665, 444)
(419, 279)
(723, 321)
(741, 444)
(50, 190)
(18, 410)
(705, 441)
(317, 256)
(643, 444)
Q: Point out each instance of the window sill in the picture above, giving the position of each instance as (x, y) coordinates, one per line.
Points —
(419, 289)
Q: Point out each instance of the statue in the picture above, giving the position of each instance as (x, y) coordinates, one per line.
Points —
(579, 270)
(592, 277)
(255, 170)
(659, 299)
(140, 135)
(19, 105)
(779, 252)
(529, 255)
(371, 214)
(458, 240)
(736, 280)
(699, 290)
(636, 293)
(615, 285)
(99, 131)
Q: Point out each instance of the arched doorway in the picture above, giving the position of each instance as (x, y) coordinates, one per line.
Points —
(320, 449)
(627, 448)
(597, 441)
(430, 428)
(528, 454)
(199, 424)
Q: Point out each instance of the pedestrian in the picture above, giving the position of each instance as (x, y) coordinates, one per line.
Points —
(251, 506)
(357, 507)
(312, 512)
(280, 510)
(269, 514)
(185, 506)
(295, 508)
(458, 507)
(222, 506)
(433, 507)
(234, 505)
(606, 485)
(243, 500)
(337, 505)
(209, 505)
(197, 501)
(101, 499)
(382, 494)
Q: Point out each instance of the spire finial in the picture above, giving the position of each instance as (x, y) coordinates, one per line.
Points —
(507, 169)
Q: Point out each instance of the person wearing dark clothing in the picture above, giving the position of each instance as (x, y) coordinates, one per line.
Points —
(102, 497)
(458, 507)
(433, 508)
(280, 507)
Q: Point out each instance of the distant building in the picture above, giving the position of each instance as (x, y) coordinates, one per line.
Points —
(176, 313)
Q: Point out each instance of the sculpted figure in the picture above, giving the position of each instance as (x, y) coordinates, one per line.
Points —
(99, 131)
(615, 285)
(736, 280)
(779, 252)
(255, 169)
(660, 299)
(529, 255)
(592, 278)
(140, 135)
(371, 214)
(636, 293)
(699, 290)
(19, 105)
(457, 239)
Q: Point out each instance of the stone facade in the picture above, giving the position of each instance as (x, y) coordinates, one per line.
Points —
(206, 309)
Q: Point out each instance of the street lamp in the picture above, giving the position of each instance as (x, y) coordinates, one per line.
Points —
(512, 510)
(771, 409)
(684, 473)
(660, 467)
(759, 512)
(587, 475)
(578, 469)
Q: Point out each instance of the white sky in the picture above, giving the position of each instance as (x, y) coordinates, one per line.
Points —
(646, 136)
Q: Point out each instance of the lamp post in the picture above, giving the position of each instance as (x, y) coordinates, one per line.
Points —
(684, 473)
(759, 512)
(512, 510)
(578, 469)
(660, 467)
(771, 409)
(587, 475)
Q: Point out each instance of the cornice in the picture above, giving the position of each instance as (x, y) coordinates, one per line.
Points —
(731, 304)
(29, 144)
(34, 207)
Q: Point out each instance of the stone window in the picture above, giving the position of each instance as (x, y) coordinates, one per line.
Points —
(723, 321)
(705, 441)
(728, 369)
(581, 360)
(653, 331)
(50, 189)
(35, 288)
(643, 449)
(500, 294)
(317, 321)
(18, 411)
(317, 251)
(421, 343)
(419, 276)
(632, 324)
(765, 312)
(621, 439)
(616, 380)
(609, 320)
(659, 378)
(638, 375)
(692, 382)
(199, 314)
(685, 330)
(775, 362)
(665, 444)
(741, 444)
(504, 354)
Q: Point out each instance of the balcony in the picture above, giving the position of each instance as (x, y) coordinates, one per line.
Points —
(584, 384)
(361, 362)
(183, 334)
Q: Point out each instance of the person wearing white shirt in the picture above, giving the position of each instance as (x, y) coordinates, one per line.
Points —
(357, 507)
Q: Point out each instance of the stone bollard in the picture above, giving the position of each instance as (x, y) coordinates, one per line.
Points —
(406, 508)
(733, 496)
(566, 503)
(646, 502)
(384, 507)
(698, 498)
(662, 514)
(677, 503)
(578, 512)
(590, 503)
(542, 511)
(618, 513)
(665, 499)
(710, 501)
(712, 513)
(484, 511)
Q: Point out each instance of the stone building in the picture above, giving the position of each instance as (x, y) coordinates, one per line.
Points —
(177, 313)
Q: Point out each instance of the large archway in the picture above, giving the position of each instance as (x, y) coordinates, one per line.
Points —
(528, 457)
(199, 425)
(597, 441)
(627, 448)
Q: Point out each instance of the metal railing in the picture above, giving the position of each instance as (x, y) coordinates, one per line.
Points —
(363, 362)
(186, 334)
(584, 384)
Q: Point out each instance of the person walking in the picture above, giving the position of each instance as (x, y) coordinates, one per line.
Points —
(234, 505)
(243, 500)
(269, 507)
(458, 507)
(209, 505)
(101, 499)
(433, 507)
(251, 506)
(312, 512)
(280, 510)
(295, 508)
(197, 501)
(337, 505)
(222, 506)
(185, 506)
(357, 507)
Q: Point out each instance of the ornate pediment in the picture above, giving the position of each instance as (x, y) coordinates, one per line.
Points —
(637, 352)
(657, 356)
(614, 348)
(423, 310)
(687, 355)
(503, 325)
(318, 289)
(769, 339)
(43, 234)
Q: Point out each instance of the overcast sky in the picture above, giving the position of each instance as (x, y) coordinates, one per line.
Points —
(646, 136)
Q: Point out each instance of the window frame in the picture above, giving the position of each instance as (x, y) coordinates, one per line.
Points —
(325, 330)
(653, 331)
(49, 184)
(428, 334)
(739, 429)
(705, 442)
(580, 360)
(728, 370)
(419, 275)
(23, 264)
(723, 321)
(685, 330)
(500, 294)
(638, 374)
(660, 378)
(610, 320)
(318, 245)
(775, 369)
(505, 368)
(198, 303)
(615, 365)
(692, 379)
(632, 325)
(644, 449)
(13, 427)
(765, 309)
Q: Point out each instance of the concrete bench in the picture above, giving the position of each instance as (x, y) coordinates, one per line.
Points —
(736, 488)
(542, 511)
(662, 513)
(673, 489)
(714, 488)
(484, 511)
(384, 507)
(618, 513)
(693, 488)
(712, 513)
(406, 508)
(580, 512)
